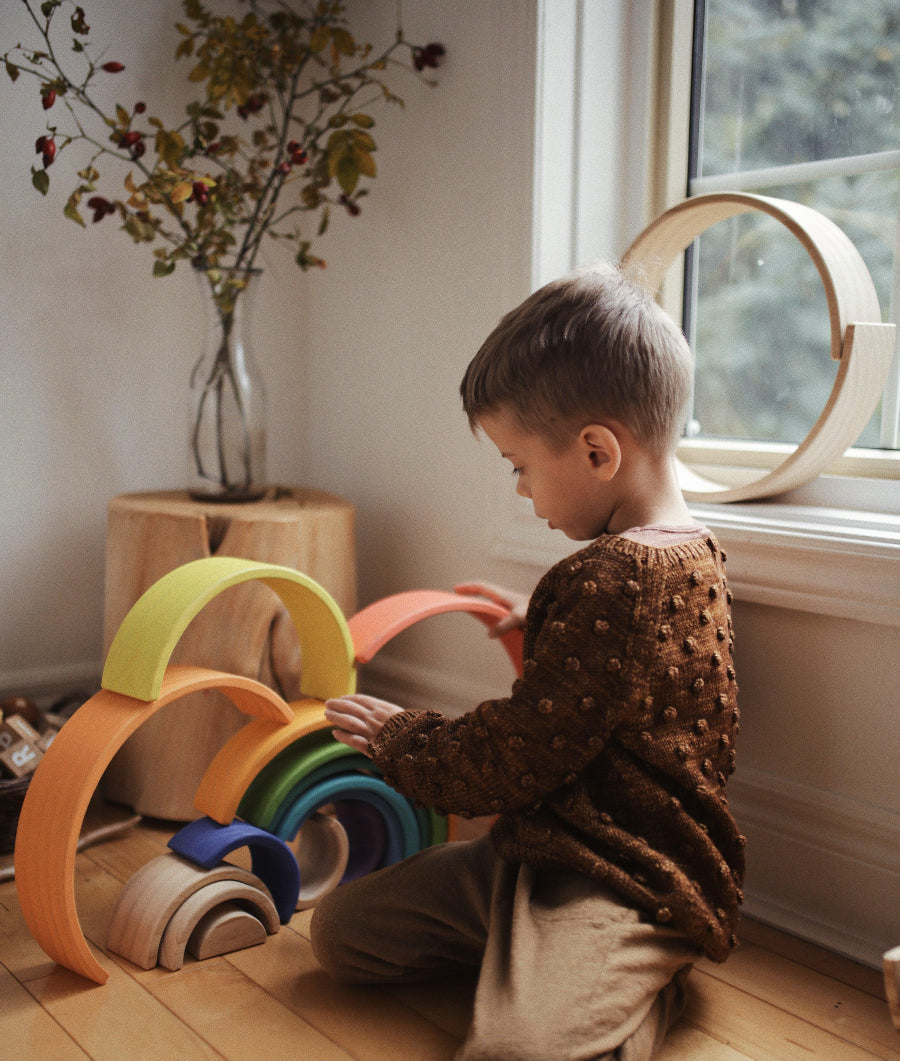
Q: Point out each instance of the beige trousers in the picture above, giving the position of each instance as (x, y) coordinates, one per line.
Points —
(567, 972)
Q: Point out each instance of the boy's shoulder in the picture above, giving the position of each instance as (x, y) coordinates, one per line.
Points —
(640, 549)
(615, 566)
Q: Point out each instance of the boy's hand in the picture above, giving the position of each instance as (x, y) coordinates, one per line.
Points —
(516, 602)
(358, 719)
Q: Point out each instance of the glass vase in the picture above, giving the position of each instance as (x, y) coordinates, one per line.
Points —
(227, 425)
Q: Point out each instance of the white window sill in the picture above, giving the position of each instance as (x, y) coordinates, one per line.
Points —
(832, 548)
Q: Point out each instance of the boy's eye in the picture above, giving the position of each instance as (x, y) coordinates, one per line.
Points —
(517, 472)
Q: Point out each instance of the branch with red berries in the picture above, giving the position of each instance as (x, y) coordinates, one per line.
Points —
(282, 127)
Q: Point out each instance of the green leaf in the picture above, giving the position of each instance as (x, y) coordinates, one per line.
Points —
(364, 163)
(319, 38)
(347, 174)
(140, 231)
(364, 121)
(163, 268)
(362, 140)
(41, 180)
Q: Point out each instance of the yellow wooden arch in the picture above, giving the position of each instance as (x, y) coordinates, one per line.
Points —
(859, 341)
(150, 631)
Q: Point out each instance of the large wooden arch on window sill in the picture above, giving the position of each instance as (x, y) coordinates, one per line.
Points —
(861, 344)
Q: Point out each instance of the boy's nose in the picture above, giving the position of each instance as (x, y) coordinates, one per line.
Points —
(522, 490)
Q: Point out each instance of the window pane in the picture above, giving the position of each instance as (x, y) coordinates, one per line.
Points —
(798, 80)
(761, 337)
(786, 83)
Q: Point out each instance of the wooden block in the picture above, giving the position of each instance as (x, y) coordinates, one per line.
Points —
(151, 898)
(21, 758)
(21, 705)
(15, 728)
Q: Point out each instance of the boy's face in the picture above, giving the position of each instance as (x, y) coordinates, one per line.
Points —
(562, 485)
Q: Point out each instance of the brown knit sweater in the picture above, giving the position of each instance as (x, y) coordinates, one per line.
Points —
(611, 753)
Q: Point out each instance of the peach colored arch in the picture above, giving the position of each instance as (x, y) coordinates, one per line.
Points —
(61, 789)
(255, 745)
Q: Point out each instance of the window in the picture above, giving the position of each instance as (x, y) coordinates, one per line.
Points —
(612, 133)
(796, 99)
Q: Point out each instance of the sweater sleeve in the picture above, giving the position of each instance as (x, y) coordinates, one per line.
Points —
(510, 753)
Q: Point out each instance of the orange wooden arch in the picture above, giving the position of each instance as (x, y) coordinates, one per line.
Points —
(60, 791)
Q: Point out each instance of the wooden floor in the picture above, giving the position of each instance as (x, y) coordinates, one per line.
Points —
(777, 999)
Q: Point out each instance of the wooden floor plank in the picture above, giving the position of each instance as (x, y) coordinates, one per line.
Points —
(777, 999)
(118, 1020)
(19, 951)
(836, 1007)
(356, 1018)
(27, 1031)
(685, 1043)
(836, 966)
(238, 1018)
(761, 1030)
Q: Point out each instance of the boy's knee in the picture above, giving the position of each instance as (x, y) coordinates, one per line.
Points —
(326, 942)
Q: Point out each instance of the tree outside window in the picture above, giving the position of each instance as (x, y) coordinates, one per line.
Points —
(796, 99)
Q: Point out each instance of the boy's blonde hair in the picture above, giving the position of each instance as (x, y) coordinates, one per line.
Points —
(588, 347)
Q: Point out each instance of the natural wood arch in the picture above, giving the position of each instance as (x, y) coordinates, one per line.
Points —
(859, 341)
(161, 904)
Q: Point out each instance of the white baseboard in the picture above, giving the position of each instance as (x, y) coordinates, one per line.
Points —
(821, 866)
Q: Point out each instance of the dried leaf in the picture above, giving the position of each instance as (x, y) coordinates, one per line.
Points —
(70, 210)
(181, 192)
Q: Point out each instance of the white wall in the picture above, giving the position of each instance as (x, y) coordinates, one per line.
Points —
(363, 363)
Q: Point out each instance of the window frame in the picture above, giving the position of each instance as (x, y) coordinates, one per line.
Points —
(727, 460)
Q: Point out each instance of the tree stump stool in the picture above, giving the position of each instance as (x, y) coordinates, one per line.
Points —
(245, 630)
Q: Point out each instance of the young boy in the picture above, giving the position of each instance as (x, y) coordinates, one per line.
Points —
(614, 862)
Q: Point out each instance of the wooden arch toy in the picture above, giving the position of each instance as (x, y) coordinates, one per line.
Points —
(164, 901)
(244, 755)
(138, 681)
(859, 341)
(144, 643)
(61, 789)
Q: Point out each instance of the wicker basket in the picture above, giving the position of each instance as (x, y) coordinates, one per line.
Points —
(12, 796)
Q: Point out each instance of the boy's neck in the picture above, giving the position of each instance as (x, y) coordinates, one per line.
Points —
(648, 496)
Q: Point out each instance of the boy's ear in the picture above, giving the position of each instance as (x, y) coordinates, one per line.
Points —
(603, 450)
